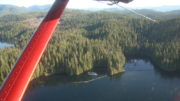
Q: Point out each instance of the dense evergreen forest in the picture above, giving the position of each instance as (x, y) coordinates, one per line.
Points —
(88, 40)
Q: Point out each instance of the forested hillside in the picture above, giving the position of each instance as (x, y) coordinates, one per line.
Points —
(87, 40)
(11, 9)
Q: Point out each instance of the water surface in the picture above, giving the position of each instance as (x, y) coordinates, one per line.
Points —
(2, 45)
(140, 82)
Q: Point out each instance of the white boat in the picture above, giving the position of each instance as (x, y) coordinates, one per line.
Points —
(92, 73)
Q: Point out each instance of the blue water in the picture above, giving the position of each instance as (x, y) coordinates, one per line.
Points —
(2, 45)
(140, 82)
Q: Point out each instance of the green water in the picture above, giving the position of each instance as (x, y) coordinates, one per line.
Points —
(140, 82)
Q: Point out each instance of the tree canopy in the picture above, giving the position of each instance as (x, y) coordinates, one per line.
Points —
(87, 40)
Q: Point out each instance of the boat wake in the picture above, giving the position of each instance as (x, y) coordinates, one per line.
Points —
(88, 81)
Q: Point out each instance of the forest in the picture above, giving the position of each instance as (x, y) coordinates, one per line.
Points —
(86, 40)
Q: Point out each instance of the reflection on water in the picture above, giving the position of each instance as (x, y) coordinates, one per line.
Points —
(140, 82)
(2, 45)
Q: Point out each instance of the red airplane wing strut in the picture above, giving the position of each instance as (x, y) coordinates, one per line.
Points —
(16, 83)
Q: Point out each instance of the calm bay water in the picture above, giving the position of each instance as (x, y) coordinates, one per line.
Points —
(140, 82)
(2, 45)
